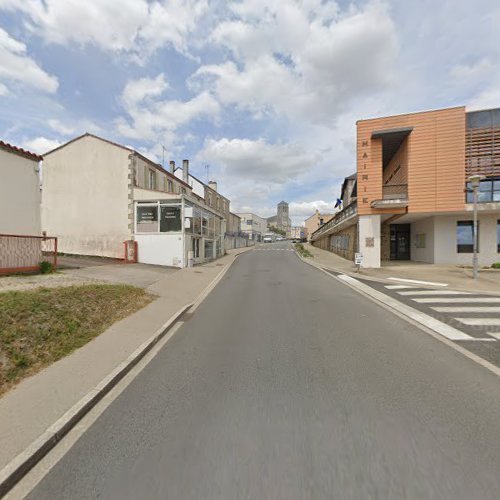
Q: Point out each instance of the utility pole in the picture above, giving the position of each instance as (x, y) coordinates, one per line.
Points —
(474, 183)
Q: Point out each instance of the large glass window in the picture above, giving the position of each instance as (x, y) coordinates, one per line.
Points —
(147, 219)
(465, 236)
(489, 191)
(170, 219)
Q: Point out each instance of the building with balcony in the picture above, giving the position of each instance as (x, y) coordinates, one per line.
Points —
(413, 198)
(315, 221)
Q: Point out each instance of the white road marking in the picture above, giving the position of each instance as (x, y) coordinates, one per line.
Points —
(424, 319)
(397, 287)
(457, 300)
(480, 321)
(419, 282)
(466, 309)
(434, 292)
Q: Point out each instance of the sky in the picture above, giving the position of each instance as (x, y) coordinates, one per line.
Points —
(261, 96)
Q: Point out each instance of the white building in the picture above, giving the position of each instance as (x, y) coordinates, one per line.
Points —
(19, 191)
(97, 195)
(253, 225)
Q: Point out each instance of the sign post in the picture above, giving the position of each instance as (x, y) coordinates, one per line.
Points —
(358, 259)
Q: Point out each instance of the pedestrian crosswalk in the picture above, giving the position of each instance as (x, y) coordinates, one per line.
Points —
(474, 312)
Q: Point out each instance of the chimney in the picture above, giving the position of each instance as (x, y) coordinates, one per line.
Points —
(213, 185)
(185, 171)
(172, 166)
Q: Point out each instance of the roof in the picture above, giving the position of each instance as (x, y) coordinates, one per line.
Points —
(19, 151)
(126, 148)
(202, 183)
(282, 203)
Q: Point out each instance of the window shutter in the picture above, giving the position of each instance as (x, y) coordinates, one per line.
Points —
(146, 170)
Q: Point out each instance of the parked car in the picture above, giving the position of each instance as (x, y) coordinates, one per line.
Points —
(267, 239)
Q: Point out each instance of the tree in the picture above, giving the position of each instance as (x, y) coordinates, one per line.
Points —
(274, 229)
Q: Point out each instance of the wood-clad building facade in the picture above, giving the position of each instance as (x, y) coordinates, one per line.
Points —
(413, 199)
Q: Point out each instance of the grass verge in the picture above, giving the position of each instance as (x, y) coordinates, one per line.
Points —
(302, 250)
(40, 326)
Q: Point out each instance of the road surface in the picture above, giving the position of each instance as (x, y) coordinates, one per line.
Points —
(286, 384)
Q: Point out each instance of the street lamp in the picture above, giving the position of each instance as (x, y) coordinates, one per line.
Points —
(474, 181)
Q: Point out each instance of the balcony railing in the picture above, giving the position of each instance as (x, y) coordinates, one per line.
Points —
(395, 192)
(340, 217)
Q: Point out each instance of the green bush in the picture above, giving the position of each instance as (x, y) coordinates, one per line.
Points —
(495, 265)
(46, 267)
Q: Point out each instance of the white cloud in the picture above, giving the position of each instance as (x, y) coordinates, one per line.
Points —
(295, 60)
(153, 118)
(258, 160)
(135, 26)
(3, 89)
(60, 127)
(136, 91)
(17, 66)
(41, 145)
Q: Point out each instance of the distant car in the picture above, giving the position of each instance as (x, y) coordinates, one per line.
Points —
(280, 238)
(267, 239)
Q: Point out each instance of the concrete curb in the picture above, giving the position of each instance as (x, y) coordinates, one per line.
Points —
(386, 281)
(27, 459)
(404, 313)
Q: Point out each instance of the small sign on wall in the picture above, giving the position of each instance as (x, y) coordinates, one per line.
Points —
(358, 259)
(420, 240)
(370, 241)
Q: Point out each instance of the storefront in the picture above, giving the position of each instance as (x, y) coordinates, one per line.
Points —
(167, 231)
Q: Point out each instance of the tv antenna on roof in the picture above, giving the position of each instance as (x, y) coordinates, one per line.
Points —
(163, 149)
(207, 170)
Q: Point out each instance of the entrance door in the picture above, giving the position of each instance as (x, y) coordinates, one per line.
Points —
(400, 241)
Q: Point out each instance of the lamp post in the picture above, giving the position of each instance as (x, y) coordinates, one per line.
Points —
(474, 181)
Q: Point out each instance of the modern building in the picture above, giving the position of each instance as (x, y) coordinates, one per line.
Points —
(315, 221)
(19, 191)
(97, 195)
(414, 201)
(282, 219)
(253, 226)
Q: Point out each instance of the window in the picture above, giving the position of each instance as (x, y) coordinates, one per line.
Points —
(183, 190)
(465, 236)
(147, 219)
(489, 191)
(249, 222)
(170, 219)
(151, 179)
(196, 247)
(170, 186)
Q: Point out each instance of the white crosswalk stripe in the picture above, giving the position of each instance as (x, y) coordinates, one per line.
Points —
(467, 309)
(480, 321)
(457, 300)
(397, 287)
(433, 292)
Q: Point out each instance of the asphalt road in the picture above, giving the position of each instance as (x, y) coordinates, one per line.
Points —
(286, 384)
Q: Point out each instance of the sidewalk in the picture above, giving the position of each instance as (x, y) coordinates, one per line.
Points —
(455, 277)
(31, 407)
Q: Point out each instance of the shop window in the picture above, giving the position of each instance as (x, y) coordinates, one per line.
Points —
(196, 247)
(147, 219)
(170, 219)
(465, 236)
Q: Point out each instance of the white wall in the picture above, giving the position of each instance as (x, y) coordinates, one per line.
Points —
(445, 234)
(424, 226)
(19, 195)
(369, 227)
(85, 197)
(160, 249)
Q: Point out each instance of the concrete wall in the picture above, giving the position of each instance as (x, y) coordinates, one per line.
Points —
(85, 197)
(445, 237)
(369, 240)
(161, 249)
(425, 227)
(19, 195)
